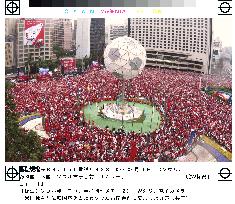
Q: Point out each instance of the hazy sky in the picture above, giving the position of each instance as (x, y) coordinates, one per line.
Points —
(116, 20)
(223, 29)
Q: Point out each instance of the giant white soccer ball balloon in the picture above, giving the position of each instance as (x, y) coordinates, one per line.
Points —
(125, 57)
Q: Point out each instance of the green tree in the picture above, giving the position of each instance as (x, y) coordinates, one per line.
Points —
(69, 53)
(59, 52)
(33, 69)
(79, 63)
(20, 145)
(29, 60)
(86, 61)
(45, 63)
(54, 64)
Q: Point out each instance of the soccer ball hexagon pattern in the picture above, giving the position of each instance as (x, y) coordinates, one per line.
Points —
(125, 57)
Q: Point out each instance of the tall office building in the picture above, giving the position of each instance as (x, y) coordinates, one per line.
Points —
(10, 43)
(90, 37)
(97, 35)
(116, 31)
(217, 49)
(175, 43)
(24, 52)
(83, 38)
(74, 34)
(63, 33)
(68, 35)
(10, 26)
(9, 55)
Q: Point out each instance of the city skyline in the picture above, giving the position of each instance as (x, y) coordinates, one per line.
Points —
(220, 28)
(221, 31)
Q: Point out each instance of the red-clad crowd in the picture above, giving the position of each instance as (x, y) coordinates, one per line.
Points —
(185, 108)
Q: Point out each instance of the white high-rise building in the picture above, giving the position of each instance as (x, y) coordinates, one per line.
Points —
(10, 26)
(116, 31)
(83, 38)
(217, 49)
(175, 43)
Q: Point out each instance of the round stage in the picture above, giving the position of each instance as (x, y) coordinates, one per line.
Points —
(137, 117)
(122, 112)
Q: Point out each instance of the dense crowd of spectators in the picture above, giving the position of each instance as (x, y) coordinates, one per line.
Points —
(185, 109)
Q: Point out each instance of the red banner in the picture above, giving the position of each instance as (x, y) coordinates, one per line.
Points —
(23, 78)
(34, 32)
(69, 64)
(43, 77)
